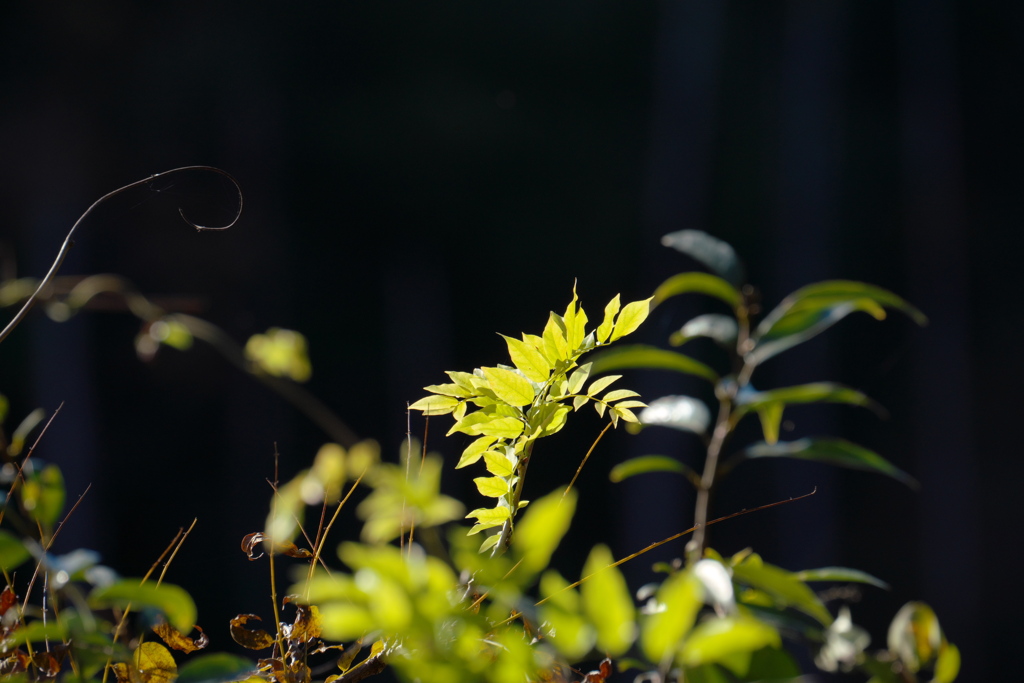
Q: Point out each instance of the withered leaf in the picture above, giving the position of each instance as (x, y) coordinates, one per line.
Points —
(254, 640)
(48, 663)
(7, 600)
(14, 662)
(256, 538)
(307, 624)
(274, 667)
(348, 655)
(178, 640)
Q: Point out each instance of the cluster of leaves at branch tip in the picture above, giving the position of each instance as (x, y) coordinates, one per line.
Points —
(510, 407)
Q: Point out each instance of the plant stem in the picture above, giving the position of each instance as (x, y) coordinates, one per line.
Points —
(723, 427)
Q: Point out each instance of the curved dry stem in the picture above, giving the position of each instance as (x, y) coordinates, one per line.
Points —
(69, 240)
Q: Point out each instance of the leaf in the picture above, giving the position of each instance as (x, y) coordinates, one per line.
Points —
(218, 667)
(608, 603)
(173, 601)
(475, 450)
(684, 413)
(487, 518)
(716, 640)
(599, 385)
(630, 318)
(649, 357)
(604, 330)
(844, 574)
(784, 587)
(492, 487)
(154, 664)
(569, 631)
(435, 405)
(510, 387)
(43, 495)
(280, 353)
(528, 359)
(771, 419)
(541, 529)
(698, 283)
(577, 378)
(258, 538)
(678, 601)
(547, 419)
(720, 328)
(555, 347)
(646, 464)
(456, 390)
(178, 640)
(252, 640)
(833, 452)
(13, 553)
(814, 308)
(710, 251)
(499, 464)
(815, 392)
(489, 425)
(618, 395)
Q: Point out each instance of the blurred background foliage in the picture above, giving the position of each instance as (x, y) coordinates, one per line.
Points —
(419, 177)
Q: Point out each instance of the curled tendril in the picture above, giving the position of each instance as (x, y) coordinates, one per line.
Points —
(69, 241)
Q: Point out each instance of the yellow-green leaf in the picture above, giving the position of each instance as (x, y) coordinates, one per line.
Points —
(604, 330)
(528, 359)
(771, 420)
(435, 405)
(577, 378)
(492, 487)
(608, 602)
(632, 316)
(475, 450)
(716, 640)
(599, 385)
(510, 387)
(499, 464)
(678, 601)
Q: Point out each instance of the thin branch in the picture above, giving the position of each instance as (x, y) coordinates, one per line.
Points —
(69, 240)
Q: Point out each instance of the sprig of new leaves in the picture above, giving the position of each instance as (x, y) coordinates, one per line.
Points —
(509, 408)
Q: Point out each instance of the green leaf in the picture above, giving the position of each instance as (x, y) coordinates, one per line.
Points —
(488, 517)
(815, 392)
(555, 347)
(571, 633)
(720, 328)
(465, 380)
(218, 667)
(814, 308)
(510, 387)
(844, 574)
(492, 487)
(645, 464)
(771, 419)
(784, 587)
(577, 378)
(43, 495)
(13, 552)
(717, 640)
(678, 412)
(618, 395)
(649, 357)
(475, 450)
(679, 599)
(435, 405)
(833, 452)
(608, 602)
(456, 390)
(697, 283)
(173, 601)
(541, 529)
(547, 419)
(630, 318)
(575, 324)
(604, 330)
(528, 359)
(599, 385)
(489, 425)
(710, 251)
(499, 464)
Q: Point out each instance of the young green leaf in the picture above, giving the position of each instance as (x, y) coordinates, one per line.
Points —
(510, 387)
(577, 378)
(487, 518)
(456, 390)
(632, 316)
(475, 450)
(541, 529)
(435, 405)
(649, 357)
(528, 359)
(833, 452)
(645, 464)
(720, 640)
(555, 346)
(599, 385)
(608, 603)
(604, 330)
(783, 586)
(618, 395)
(679, 599)
(499, 464)
(489, 425)
(815, 392)
(492, 487)
(771, 419)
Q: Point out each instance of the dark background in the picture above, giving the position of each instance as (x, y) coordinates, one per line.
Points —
(419, 176)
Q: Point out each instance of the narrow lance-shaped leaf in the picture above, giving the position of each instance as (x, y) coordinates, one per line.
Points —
(630, 318)
(815, 392)
(642, 356)
(843, 574)
(173, 601)
(697, 283)
(645, 464)
(608, 602)
(712, 252)
(831, 451)
(435, 405)
(604, 330)
(782, 585)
